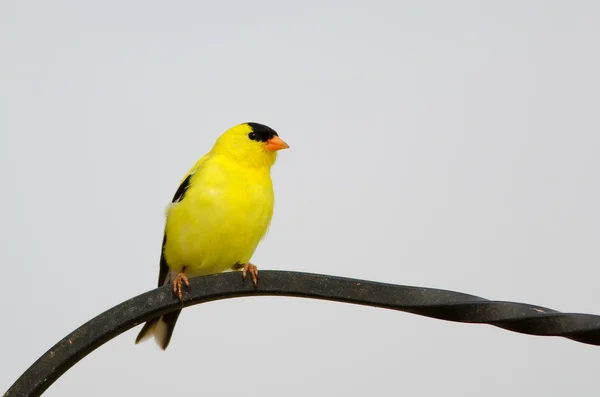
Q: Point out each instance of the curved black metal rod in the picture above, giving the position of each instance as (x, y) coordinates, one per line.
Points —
(440, 304)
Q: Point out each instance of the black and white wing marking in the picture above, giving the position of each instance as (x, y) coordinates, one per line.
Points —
(163, 273)
(182, 189)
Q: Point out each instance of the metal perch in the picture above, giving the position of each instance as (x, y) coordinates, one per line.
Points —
(440, 304)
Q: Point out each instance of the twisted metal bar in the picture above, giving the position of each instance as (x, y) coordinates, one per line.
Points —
(440, 304)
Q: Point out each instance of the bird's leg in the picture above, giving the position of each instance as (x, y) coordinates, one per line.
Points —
(253, 270)
(178, 284)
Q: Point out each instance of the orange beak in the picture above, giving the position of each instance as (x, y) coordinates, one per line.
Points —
(274, 144)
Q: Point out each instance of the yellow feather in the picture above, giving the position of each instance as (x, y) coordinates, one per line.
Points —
(221, 211)
(226, 210)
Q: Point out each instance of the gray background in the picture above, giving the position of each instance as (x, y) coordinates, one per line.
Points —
(442, 144)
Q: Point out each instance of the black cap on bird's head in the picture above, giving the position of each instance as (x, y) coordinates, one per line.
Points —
(262, 133)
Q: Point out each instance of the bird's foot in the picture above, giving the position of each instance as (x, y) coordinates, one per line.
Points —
(253, 270)
(178, 285)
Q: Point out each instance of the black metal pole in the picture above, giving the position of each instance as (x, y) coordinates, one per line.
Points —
(440, 304)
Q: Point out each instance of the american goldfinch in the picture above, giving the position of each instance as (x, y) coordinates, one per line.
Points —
(220, 212)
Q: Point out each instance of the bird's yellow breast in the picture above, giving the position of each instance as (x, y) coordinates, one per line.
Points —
(222, 217)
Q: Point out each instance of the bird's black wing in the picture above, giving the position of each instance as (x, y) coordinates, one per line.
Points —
(164, 268)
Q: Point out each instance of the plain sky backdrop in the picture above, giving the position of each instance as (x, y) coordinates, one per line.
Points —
(433, 143)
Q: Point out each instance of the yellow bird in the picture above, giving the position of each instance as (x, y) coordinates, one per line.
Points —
(220, 212)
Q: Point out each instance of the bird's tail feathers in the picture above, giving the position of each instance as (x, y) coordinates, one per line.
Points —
(161, 328)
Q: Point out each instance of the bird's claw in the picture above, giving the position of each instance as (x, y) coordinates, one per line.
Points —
(178, 285)
(253, 270)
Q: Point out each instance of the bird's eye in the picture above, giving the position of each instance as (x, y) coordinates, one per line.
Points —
(252, 136)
